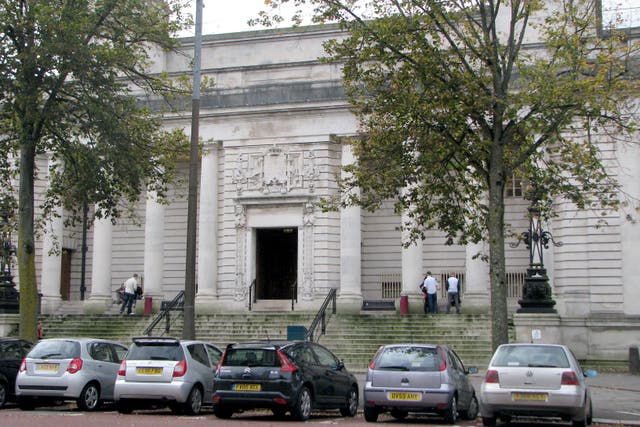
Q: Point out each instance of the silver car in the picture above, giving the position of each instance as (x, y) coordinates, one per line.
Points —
(81, 369)
(419, 378)
(535, 380)
(164, 371)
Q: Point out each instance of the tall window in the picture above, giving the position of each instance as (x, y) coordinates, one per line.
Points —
(513, 188)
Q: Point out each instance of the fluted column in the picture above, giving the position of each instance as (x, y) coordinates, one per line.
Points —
(350, 294)
(101, 291)
(52, 263)
(154, 249)
(207, 296)
(475, 287)
(412, 270)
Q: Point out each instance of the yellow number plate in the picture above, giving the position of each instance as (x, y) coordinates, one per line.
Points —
(247, 387)
(47, 366)
(396, 395)
(149, 371)
(530, 396)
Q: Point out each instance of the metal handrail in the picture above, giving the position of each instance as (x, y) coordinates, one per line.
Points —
(322, 315)
(252, 294)
(294, 294)
(177, 303)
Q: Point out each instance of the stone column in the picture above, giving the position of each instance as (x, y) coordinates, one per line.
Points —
(153, 249)
(476, 287)
(102, 293)
(207, 296)
(350, 293)
(52, 264)
(412, 271)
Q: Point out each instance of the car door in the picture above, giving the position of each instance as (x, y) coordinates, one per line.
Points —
(203, 368)
(461, 381)
(333, 383)
(104, 366)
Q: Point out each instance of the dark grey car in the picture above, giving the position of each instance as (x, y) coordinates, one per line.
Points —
(12, 351)
(418, 378)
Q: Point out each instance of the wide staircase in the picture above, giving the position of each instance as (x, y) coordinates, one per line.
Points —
(354, 338)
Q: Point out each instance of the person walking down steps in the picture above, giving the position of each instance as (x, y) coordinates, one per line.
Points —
(129, 294)
(453, 293)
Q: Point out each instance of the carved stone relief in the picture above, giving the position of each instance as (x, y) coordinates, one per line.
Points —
(241, 289)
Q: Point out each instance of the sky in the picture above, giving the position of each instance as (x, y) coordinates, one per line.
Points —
(226, 16)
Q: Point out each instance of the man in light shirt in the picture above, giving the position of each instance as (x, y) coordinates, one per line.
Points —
(453, 296)
(430, 286)
(129, 293)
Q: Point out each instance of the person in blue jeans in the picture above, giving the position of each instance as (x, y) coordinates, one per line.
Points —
(430, 287)
(129, 294)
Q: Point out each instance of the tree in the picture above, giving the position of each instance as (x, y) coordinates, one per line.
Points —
(455, 97)
(70, 71)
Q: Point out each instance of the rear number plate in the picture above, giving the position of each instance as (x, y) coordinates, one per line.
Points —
(529, 396)
(247, 387)
(396, 395)
(47, 367)
(149, 371)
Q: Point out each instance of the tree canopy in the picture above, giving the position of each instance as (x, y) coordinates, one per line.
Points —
(73, 74)
(456, 97)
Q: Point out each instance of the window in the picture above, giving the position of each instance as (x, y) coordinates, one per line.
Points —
(198, 353)
(513, 187)
(101, 351)
(214, 354)
(325, 358)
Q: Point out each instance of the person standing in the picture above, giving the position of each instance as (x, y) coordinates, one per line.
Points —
(431, 288)
(453, 295)
(129, 294)
(39, 331)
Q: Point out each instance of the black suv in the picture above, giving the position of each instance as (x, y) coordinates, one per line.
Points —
(294, 377)
(12, 351)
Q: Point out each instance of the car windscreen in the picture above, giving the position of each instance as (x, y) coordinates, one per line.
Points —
(531, 356)
(251, 357)
(55, 349)
(155, 351)
(408, 359)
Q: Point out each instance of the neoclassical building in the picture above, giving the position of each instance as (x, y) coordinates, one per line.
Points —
(275, 132)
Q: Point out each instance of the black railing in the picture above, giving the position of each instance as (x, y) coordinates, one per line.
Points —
(294, 294)
(176, 304)
(252, 294)
(321, 317)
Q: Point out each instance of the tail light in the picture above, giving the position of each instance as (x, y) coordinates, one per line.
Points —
(492, 377)
(569, 378)
(180, 369)
(122, 370)
(75, 365)
(285, 363)
(23, 365)
(443, 360)
(221, 361)
(372, 364)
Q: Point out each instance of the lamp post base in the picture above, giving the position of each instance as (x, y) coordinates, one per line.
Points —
(536, 294)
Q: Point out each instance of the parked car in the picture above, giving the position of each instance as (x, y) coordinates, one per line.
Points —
(12, 351)
(419, 378)
(287, 376)
(165, 371)
(82, 369)
(535, 380)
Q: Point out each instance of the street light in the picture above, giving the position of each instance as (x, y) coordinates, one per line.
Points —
(9, 302)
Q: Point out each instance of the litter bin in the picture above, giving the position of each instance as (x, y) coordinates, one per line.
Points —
(404, 304)
(296, 333)
(148, 305)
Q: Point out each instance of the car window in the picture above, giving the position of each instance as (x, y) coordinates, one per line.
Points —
(10, 350)
(101, 351)
(531, 356)
(156, 351)
(198, 353)
(455, 361)
(325, 357)
(251, 357)
(121, 351)
(214, 354)
(55, 349)
(26, 347)
(302, 354)
(408, 359)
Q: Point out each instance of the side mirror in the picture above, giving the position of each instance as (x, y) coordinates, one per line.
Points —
(472, 370)
(590, 373)
(340, 366)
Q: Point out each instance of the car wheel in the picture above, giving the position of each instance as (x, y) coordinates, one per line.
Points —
(193, 405)
(222, 413)
(351, 405)
(488, 421)
(451, 414)
(3, 393)
(371, 414)
(124, 407)
(472, 411)
(590, 413)
(301, 411)
(89, 397)
(398, 414)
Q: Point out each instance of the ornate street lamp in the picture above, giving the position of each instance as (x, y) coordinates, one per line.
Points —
(9, 302)
(536, 291)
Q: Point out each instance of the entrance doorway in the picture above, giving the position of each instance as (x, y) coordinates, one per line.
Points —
(276, 262)
(65, 275)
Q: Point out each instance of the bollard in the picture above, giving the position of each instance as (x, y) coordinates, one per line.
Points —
(148, 305)
(634, 360)
(404, 304)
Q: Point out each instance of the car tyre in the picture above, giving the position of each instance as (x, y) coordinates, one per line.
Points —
(451, 414)
(398, 414)
(124, 407)
(371, 414)
(222, 413)
(89, 397)
(26, 403)
(3, 393)
(351, 405)
(472, 411)
(193, 405)
(489, 421)
(301, 410)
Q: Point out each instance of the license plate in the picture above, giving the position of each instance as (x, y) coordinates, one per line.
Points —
(247, 387)
(47, 366)
(397, 395)
(542, 397)
(149, 371)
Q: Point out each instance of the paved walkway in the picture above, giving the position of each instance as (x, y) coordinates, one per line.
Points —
(616, 398)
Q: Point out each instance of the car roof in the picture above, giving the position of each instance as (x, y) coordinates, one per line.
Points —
(165, 340)
(80, 340)
(267, 344)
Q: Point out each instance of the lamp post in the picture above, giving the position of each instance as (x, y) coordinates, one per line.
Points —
(536, 291)
(9, 302)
